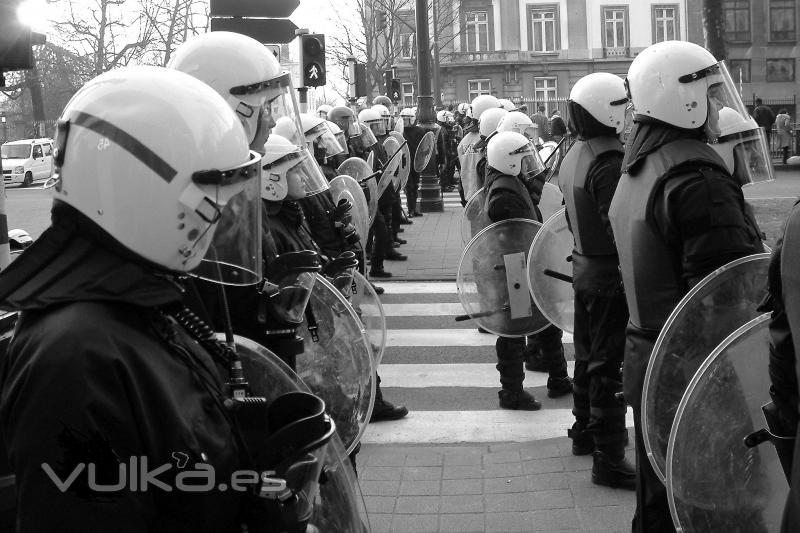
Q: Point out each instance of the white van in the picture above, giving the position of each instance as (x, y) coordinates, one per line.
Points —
(27, 161)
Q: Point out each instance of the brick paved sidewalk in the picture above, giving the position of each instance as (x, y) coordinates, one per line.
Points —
(501, 487)
(433, 247)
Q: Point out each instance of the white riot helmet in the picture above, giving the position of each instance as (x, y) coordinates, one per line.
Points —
(674, 81)
(465, 109)
(482, 103)
(408, 115)
(603, 96)
(441, 116)
(158, 160)
(285, 127)
(519, 122)
(373, 119)
(322, 111)
(742, 144)
(319, 136)
(490, 119)
(513, 154)
(383, 111)
(289, 171)
(244, 72)
(507, 104)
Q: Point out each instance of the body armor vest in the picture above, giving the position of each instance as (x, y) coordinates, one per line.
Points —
(587, 227)
(469, 158)
(510, 183)
(653, 283)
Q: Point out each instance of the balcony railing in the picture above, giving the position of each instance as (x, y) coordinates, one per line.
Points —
(500, 56)
(616, 51)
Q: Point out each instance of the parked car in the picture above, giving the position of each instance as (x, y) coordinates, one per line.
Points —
(27, 161)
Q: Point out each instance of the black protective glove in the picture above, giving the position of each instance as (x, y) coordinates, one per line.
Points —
(341, 215)
(535, 185)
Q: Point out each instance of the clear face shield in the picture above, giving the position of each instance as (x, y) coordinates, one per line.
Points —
(323, 139)
(746, 154)
(721, 93)
(352, 127)
(262, 104)
(230, 202)
(342, 140)
(366, 140)
(531, 164)
(303, 176)
(378, 128)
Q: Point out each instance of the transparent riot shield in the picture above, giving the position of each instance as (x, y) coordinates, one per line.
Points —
(492, 279)
(550, 272)
(399, 125)
(719, 304)
(369, 309)
(361, 171)
(339, 501)
(336, 363)
(715, 482)
(346, 187)
(473, 220)
(405, 158)
(390, 176)
(424, 151)
(552, 200)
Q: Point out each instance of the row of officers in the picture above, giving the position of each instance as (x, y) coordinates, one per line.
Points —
(191, 200)
(650, 218)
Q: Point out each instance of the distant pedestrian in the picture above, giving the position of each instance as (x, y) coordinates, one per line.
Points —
(557, 127)
(764, 117)
(540, 119)
(783, 125)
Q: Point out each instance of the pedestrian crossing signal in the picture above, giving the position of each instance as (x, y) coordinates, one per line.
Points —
(397, 92)
(312, 59)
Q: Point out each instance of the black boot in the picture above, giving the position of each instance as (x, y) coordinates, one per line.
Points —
(560, 386)
(384, 410)
(520, 400)
(582, 441)
(619, 473)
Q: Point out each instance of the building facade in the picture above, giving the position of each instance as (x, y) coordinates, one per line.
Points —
(537, 49)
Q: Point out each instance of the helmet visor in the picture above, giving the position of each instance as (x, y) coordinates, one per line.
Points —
(323, 138)
(342, 140)
(722, 93)
(378, 128)
(275, 97)
(304, 178)
(232, 209)
(751, 157)
(531, 164)
(353, 128)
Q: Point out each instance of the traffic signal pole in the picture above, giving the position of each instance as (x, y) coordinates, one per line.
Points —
(430, 192)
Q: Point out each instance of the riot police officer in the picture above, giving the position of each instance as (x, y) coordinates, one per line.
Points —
(103, 369)
(514, 181)
(468, 153)
(676, 215)
(588, 178)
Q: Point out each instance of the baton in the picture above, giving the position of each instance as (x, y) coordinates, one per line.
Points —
(462, 318)
(370, 177)
(557, 275)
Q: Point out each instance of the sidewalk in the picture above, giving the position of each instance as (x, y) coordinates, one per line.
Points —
(434, 246)
(488, 487)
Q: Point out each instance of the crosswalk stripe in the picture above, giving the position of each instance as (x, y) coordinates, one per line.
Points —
(414, 287)
(439, 427)
(437, 309)
(444, 337)
(453, 375)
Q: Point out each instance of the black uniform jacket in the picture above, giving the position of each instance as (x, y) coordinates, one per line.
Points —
(89, 378)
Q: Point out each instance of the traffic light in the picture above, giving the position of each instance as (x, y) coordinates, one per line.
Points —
(397, 92)
(361, 79)
(312, 59)
(15, 39)
(387, 82)
(380, 20)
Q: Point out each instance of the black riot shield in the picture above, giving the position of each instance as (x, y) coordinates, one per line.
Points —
(550, 272)
(492, 279)
(716, 482)
(716, 306)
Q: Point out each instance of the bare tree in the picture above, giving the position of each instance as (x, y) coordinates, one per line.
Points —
(173, 21)
(380, 47)
(108, 31)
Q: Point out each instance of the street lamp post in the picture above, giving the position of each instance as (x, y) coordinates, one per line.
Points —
(430, 192)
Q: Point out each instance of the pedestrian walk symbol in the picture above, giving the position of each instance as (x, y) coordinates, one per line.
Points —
(313, 71)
